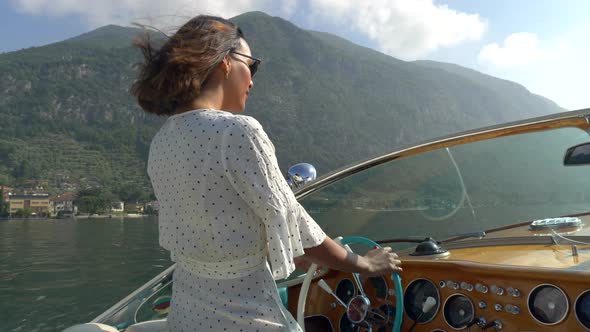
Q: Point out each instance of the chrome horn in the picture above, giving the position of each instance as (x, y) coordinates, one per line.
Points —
(300, 174)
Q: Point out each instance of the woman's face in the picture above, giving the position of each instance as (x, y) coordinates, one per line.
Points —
(239, 82)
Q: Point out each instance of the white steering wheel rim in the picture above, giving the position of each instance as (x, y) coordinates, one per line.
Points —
(305, 289)
(303, 295)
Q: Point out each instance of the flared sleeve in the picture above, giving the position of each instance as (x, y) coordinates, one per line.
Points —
(250, 164)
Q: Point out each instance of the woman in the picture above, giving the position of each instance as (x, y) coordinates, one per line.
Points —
(227, 216)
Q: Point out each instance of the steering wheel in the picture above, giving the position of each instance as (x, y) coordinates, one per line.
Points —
(399, 302)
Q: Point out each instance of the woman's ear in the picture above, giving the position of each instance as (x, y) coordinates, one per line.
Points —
(226, 66)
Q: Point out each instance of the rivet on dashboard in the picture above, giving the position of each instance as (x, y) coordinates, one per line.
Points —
(452, 284)
(481, 288)
(515, 310)
(466, 286)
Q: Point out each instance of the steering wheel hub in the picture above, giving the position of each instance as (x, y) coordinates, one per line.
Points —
(358, 308)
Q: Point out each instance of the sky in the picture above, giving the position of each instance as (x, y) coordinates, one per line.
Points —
(541, 44)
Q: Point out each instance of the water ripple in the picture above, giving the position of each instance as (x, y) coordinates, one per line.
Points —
(53, 267)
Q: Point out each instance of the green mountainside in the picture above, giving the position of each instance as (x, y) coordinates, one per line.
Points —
(68, 121)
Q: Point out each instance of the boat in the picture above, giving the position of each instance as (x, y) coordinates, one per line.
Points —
(492, 226)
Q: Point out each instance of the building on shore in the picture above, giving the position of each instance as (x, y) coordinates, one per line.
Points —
(63, 205)
(117, 207)
(134, 207)
(6, 191)
(35, 204)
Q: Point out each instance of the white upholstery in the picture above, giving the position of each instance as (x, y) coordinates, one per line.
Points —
(149, 326)
(91, 327)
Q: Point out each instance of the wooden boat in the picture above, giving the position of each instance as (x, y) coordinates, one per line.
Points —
(508, 205)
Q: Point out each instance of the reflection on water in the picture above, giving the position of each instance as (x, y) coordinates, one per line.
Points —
(55, 273)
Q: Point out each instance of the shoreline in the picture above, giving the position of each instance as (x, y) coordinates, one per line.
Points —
(102, 216)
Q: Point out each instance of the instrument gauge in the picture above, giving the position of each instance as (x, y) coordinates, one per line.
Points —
(380, 286)
(345, 290)
(458, 311)
(548, 304)
(583, 309)
(414, 297)
(346, 325)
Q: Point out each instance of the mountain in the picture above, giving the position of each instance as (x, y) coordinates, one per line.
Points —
(68, 120)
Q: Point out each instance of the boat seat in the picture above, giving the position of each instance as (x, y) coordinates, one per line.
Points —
(149, 326)
(91, 327)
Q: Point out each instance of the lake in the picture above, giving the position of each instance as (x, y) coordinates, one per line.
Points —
(59, 272)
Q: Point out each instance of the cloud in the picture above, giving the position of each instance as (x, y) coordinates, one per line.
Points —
(123, 12)
(519, 49)
(408, 29)
(554, 66)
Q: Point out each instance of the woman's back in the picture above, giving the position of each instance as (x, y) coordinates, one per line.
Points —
(201, 214)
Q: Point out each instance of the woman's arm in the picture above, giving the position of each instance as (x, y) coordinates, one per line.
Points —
(376, 262)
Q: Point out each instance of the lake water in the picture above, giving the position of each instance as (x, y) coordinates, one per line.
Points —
(56, 273)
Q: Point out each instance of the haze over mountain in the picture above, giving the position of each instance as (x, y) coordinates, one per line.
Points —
(68, 119)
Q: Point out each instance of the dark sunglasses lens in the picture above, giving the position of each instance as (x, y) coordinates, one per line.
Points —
(254, 68)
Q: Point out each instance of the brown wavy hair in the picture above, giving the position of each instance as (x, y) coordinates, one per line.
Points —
(172, 76)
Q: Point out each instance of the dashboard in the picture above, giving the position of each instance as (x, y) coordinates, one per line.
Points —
(467, 296)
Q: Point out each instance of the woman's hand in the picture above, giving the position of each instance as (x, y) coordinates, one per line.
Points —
(332, 255)
(382, 261)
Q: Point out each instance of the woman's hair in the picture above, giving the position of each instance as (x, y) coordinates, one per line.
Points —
(173, 75)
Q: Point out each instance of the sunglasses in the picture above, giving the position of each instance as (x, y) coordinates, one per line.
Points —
(253, 66)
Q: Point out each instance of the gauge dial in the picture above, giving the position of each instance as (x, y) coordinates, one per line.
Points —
(459, 311)
(345, 290)
(583, 309)
(346, 325)
(416, 294)
(380, 286)
(548, 304)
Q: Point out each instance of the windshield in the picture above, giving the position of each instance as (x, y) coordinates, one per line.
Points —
(465, 188)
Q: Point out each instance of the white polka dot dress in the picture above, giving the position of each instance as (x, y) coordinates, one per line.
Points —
(229, 220)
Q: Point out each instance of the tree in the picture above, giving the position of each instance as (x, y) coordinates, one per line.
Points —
(3, 206)
(94, 200)
(149, 210)
(26, 212)
(130, 191)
